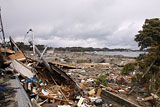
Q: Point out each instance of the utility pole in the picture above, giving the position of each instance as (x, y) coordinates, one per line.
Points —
(3, 36)
(33, 45)
(33, 42)
(2, 30)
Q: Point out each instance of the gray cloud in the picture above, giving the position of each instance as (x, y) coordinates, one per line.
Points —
(96, 23)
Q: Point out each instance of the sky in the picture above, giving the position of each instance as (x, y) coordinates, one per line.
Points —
(74, 23)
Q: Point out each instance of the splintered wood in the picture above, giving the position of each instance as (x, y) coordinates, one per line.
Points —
(99, 92)
(18, 56)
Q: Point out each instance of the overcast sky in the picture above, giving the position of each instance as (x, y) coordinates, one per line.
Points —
(85, 23)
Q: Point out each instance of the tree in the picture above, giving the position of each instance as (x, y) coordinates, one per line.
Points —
(22, 46)
(149, 36)
(130, 67)
(149, 65)
(101, 80)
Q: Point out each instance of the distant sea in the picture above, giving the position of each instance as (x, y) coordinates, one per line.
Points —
(121, 53)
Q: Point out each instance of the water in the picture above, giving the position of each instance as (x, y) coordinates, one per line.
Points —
(123, 53)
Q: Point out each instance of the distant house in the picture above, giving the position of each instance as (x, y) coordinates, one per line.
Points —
(50, 51)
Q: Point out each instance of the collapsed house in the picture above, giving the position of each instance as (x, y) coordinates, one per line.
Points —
(44, 82)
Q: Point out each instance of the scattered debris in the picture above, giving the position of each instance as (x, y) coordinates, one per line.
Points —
(71, 84)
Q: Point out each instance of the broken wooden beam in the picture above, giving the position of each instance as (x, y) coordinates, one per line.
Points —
(51, 97)
(65, 65)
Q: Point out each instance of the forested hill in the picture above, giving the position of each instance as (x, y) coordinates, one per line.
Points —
(23, 46)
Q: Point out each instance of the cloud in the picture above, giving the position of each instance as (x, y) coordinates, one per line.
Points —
(88, 23)
(59, 41)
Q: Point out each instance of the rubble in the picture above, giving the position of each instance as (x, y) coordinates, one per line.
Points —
(45, 83)
(73, 83)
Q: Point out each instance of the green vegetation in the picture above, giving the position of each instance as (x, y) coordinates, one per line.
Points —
(91, 49)
(23, 46)
(149, 65)
(130, 67)
(101, 80)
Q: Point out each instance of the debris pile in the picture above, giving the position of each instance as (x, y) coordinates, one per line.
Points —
(82, 84)
(45, 83)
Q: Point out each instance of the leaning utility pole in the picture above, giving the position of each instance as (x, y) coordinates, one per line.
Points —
(2, 30)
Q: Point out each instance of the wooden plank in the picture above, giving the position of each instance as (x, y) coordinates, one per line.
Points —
(92, 92)
(17, 55)
(83, 86)
(65, 65)
(80, 102)
(99, 92)
(148, 98)
(7, 50)
(51, 97)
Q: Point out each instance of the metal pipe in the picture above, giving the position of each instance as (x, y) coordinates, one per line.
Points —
(42, 55)
(39, 54)
(33, 42)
